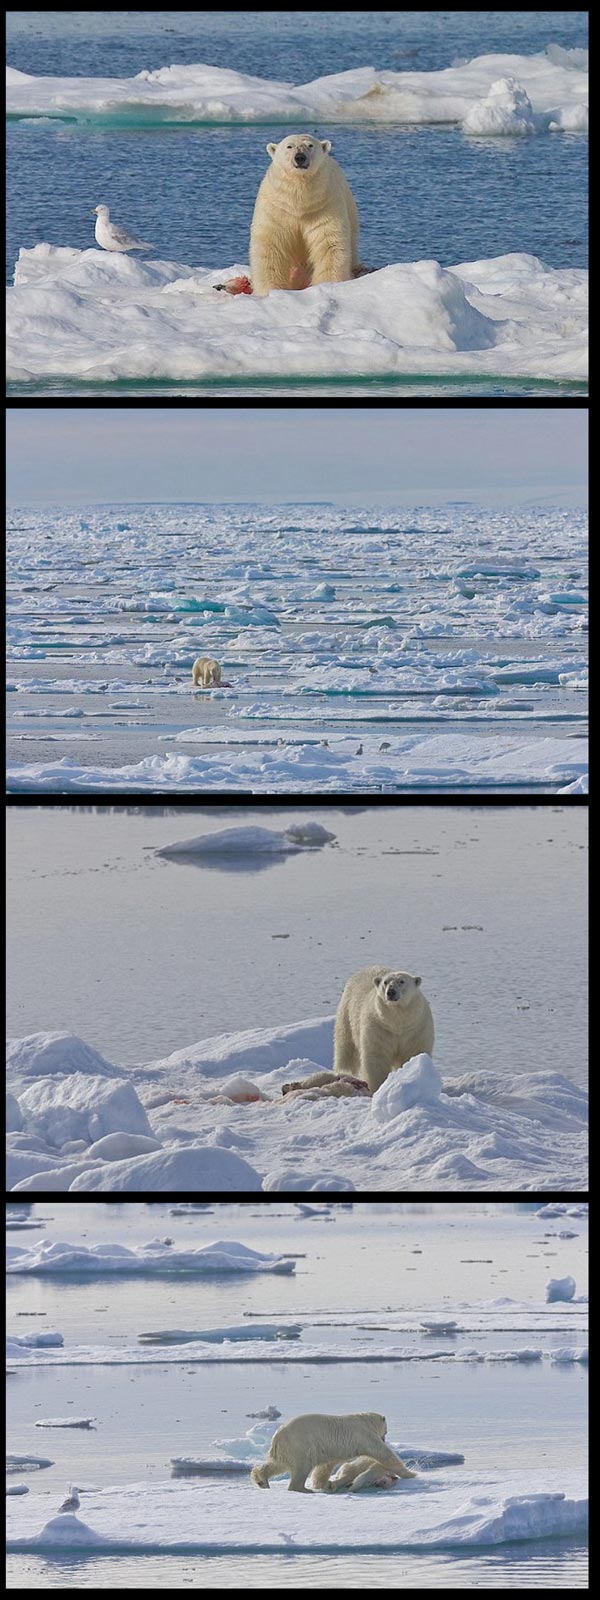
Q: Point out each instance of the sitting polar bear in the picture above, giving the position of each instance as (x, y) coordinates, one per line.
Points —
(383, 1019)
(317, 1444)
(364, 1473)
(305, 224)
(205, 671)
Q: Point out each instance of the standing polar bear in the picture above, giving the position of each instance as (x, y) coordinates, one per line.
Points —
(305, 224)
(206, 671)
(317, 1444)
(383, 1019)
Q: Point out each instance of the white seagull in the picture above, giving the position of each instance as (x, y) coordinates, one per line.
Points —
(72, 1502)
(111, 237)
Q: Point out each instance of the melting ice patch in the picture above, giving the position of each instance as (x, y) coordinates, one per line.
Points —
(226, 1256)
(101, 317)
(553, 82)
(454, 1510)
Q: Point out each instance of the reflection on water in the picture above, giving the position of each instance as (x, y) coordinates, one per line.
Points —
(555, 1564)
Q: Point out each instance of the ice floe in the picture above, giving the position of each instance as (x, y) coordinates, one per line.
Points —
(225, 1256)
(560, 1289)
(83, 314)
(457, 1509)
(553, 83)
(238, 844)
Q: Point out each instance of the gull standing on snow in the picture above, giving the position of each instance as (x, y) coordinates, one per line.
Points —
(72, 1503)
(111, 237)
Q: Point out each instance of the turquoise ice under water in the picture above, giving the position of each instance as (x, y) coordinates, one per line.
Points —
(414, 1259)
(169, 183)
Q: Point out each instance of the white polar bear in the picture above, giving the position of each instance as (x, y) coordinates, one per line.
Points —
(323, 1442)
(364, 1473)
(206, 671)
(305, 224)
(383, 1020)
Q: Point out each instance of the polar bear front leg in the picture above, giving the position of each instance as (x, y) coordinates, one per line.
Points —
(330, 254)
(269, 264)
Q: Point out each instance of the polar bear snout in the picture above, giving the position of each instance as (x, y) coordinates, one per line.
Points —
(301, 158)
(397, 987)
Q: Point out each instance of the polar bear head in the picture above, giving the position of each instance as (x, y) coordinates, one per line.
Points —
(396, 988)
(375, 1421)
(299, 153)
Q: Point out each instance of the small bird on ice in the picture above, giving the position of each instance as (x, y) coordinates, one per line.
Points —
(72, 1502)
(111, 237)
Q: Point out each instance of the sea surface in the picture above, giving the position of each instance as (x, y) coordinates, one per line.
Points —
(342, 632)
(141, 956)
(409, 1257)
(458, 199)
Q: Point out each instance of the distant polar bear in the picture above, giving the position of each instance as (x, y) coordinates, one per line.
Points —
(383, 1019)
(365, 1473)
(322, 1443)
(205, 671)
(305, 224)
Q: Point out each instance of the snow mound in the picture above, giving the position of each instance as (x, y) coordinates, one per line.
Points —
(506, 110)
(249, 841)
(306, 1182)
(418, 1084)
(40, 1054)
(14, 1118)
(560, 1289)
(118, 1146)
(196, 1168)
(85, 314)
(82, 1107)
(224, 1256)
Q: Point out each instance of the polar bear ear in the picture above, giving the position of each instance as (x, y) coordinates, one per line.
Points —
(377, 982)
(417, 981)
(326, 146)
(270, 149)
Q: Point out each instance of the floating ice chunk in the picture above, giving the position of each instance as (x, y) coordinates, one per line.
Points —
(565, 1356)
(82, 1107)
(244, 1331)
(560, 1289)
(565, 1233)
(505, 110)
(417, 1084)
(514, 1355)
(438, 1326)
(249, 841)
(33, 1341)
(17, 1488)
(30, 1463)
(66, 1422)
(224, 1256)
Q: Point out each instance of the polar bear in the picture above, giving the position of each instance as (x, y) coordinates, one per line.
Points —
(364, 1473)
(206, 671)
(305, 224)
(322, 1442)
(383, 1019)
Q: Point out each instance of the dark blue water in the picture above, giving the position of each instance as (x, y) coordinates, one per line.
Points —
(424, 192)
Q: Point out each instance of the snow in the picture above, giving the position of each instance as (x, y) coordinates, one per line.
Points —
(118, 1146)
(14, 1118)
(560, 1289)
(554, 82)
(248, 842)
(39, 1055)
(224, 1256)
(85, 314)
(422, 1130)
(455, 1509)
(82, 1107)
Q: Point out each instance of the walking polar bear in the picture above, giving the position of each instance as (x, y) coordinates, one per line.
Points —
(305, 224)
(206, 671)
(317, 1444)
(382, 1020)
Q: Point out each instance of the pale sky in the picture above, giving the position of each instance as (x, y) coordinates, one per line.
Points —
(354, 455)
